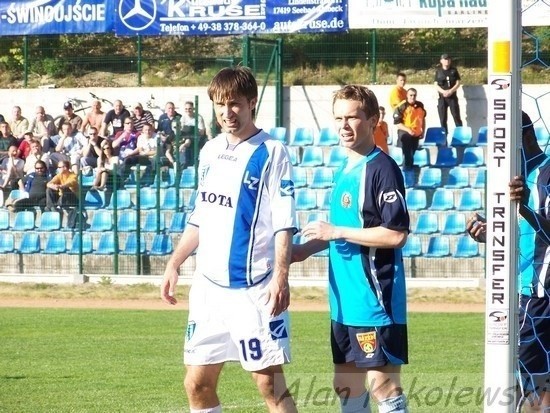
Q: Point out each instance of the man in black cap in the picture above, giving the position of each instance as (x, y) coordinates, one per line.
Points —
(447, 82)
(69, 117)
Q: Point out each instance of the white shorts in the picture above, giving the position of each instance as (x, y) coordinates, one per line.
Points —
(233, 324)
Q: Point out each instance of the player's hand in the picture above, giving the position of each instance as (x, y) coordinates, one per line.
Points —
(168, 287)
(518, 190)
(278, 295)
(477, 227)
(320, 230)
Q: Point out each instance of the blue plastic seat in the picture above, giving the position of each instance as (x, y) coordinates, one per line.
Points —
(317, 216)
(458, 178)
(312, 156)
(323, 178)
(426, 223)
(187, 178)
(306, 199)
(18, 194)
(127, 220)
(462, 136)
(278, 133)
(177, 223)
(429, 178)
(7, 242)
(102, 220)
(169, 200)
(152, 221)
(56, 243)
(336, 156)
(191, 203)
(443, 200)
(470, 200)
(131, 245)
(87, 246)
(482, 136)
(328, 137)
(4, 219)
(413, 247)
(123, 200)
(446, 157)
(421, 157)
(473, 157)
(88, 180)
(397, 154)
(325, 204)
(161, 245)
(148, 198)
(166, 180)
(106, 244)
(435, 136)
(94, 199)
(30, 243)
(454, 224)
(299, 177)
(50, 221)
(302, 137)
(480, 179)
(294, 154)
(24, 221)
(416, 199)
(466, 247)
(438, 246)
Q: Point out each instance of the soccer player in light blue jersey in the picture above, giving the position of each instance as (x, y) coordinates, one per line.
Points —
(245, 218)
(369, 224)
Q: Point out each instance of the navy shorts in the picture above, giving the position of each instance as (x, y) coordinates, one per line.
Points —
(534, 342)
(369, 346)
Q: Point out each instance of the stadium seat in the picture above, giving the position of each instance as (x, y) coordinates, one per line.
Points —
(466, 247)
(131, 245)
(4, 219)
(426, 223)
(122, 198)
(17, 194)
(191, 203)
(306, 199)
(435, 136)
(443, 200)
(94, 199)
(102, 220)
(169, 200)
(161, 245)
(294, 153)
(7, 242)
(328, 137)
(148, 198)
(482, 136)
(106, 244)
(462, 136)
(317, 216)
(322, 178)
(302, 137)
(49, 221)
(458, 178)
(429, 178)
(56, 243)
(279, 133)
(438, 246)
(30, 243)
(24, 221)
(421, 157)
(167, 178)
(454, 224)
(325, 204)
(300, 177)
(177, 223)
(151, 222)
(336, 156)
(416, 199)
(470, 200)
(446, 157)
(127, 220)
(187, 178)
(87, 246)
(413, 247)
(312, 156)
(480, 179)
(397, 154)
(88, 179)
(473, 157)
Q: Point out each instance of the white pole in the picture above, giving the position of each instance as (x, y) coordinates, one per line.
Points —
(503, 154)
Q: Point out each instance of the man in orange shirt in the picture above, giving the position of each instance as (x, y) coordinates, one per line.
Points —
(381, 131)
(62, 190)
(410, 119)
(398, 93)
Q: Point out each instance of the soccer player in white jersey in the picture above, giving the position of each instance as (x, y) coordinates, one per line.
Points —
(245, 218)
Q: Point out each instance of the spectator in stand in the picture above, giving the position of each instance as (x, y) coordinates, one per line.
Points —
(2, 118)
(144, 154)
(125, 141)
(62, 189)
(93, 119)
(106, 165)
(24, 148)
(167, 122)
(398, 93)
(43, 128)
(19, 125)
(187, 149)
(91, 151)
(114, 119)
(6, 140)
(35, 184)
(70, 117)
(140, 117)
(447, 82)
(381, 131)
(410, 119)
(167, 150)
(36, 154)
(68, 146)
(11, 171)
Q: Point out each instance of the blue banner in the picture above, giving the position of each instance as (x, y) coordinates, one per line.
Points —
(28, 17)
(225, 17)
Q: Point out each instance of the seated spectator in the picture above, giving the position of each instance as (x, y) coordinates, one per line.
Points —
(11, 171)
(140, 117)
(62, 189)
(93, 119)
(19, 125)
(42, 127)
(91, 151)
(24, 148)
(144, 154)
(68, 146)
(2, 118)
(70, 117)
(6, 139)
(36, 154)
(114, 119)
(125, 141)
(106, 165)
(167, 122)
(34, 184)
(167, 151)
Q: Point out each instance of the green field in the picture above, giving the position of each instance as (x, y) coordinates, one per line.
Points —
(86, 360)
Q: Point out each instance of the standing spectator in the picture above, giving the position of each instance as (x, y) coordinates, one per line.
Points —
(240, 289)
(35, 184)
(167, 122)
(398, 93)
(187, 147)
(19, 125)
(447, 82)
(140, 117)
(114, 119)
(42, 127)
(381, 133)
(62, 189)
(410, 118)
(91, 151)
(369, 224)
(11, 171)
(93, 119)
(106, 165)
(70, 117)
(36, 154)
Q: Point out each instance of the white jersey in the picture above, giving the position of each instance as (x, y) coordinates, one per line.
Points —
(244, 197)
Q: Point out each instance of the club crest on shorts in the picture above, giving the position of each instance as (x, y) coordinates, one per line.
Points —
(367, 341)
(277, 328)
(345, 200)
(190, 330)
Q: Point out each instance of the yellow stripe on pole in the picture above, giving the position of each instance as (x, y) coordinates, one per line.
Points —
(501, 57)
